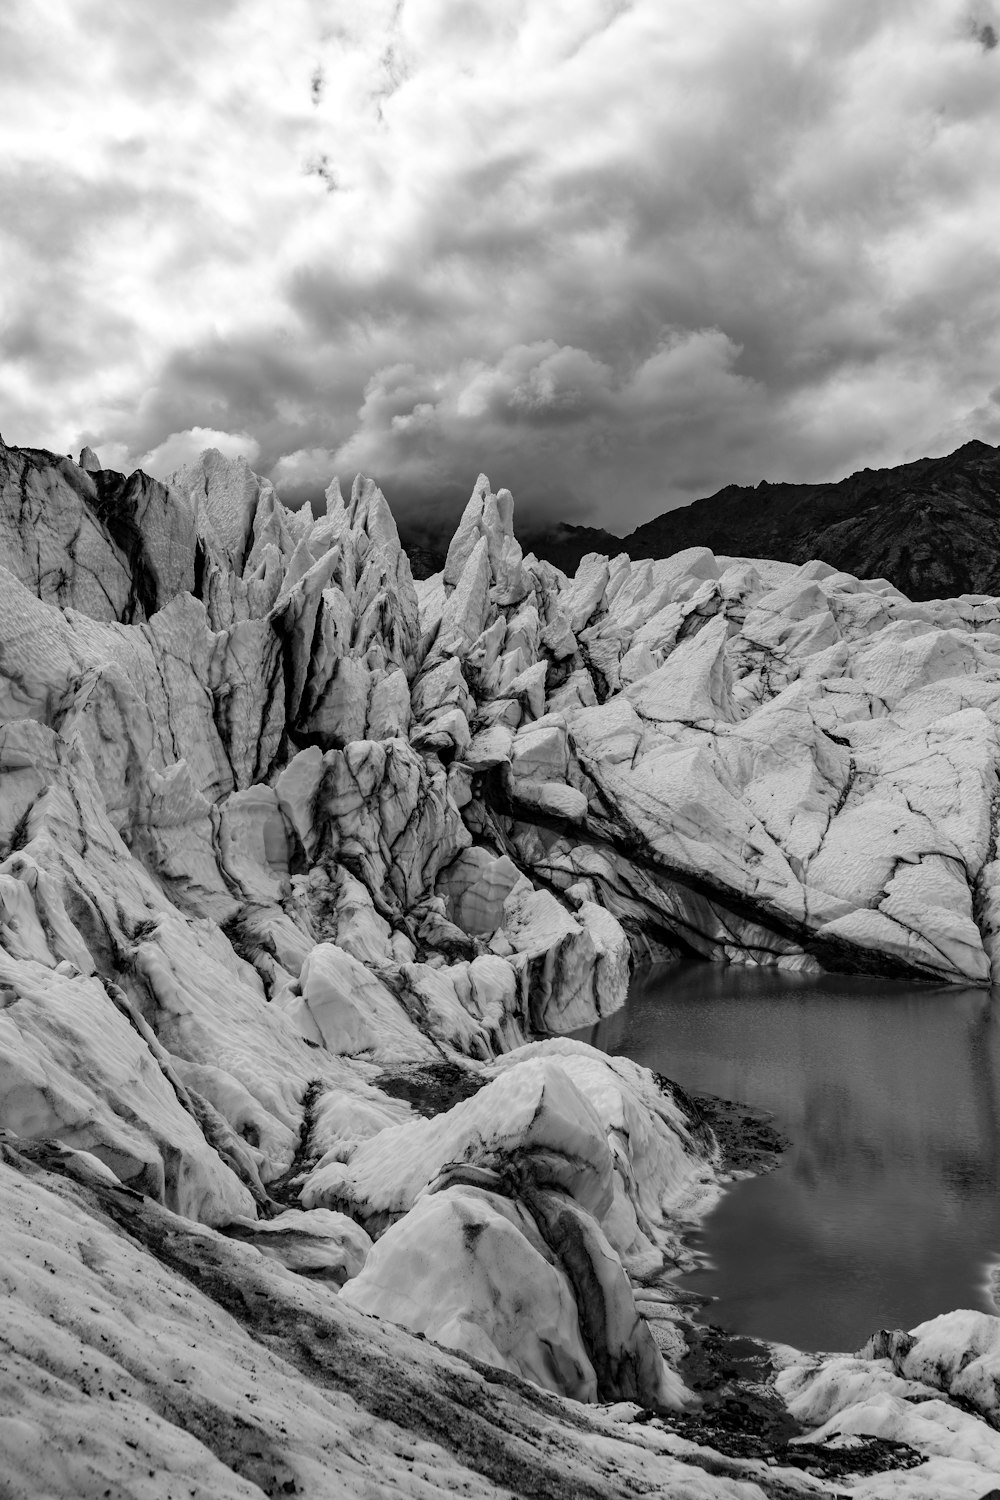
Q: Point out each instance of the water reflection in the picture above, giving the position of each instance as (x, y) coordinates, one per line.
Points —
(886, 1209)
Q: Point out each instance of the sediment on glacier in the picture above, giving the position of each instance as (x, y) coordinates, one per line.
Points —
(299, 858)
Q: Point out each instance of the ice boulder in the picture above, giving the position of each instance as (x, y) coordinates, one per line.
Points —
(470, 1270)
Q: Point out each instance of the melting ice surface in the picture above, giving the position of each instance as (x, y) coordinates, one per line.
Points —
(886, 1210)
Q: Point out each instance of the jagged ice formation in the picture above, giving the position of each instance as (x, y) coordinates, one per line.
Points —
(298, 858)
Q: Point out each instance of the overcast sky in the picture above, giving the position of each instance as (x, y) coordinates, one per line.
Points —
(616, 254)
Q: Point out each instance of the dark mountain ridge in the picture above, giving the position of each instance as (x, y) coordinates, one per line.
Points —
(932, 527)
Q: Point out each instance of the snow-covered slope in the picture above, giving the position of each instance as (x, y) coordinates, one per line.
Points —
(297, 859)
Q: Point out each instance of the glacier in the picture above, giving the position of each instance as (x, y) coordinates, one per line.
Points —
(307, 870)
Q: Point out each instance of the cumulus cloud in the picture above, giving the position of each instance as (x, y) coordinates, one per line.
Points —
(616, 253)
(304, 474)
(557, 423)
(182, 448)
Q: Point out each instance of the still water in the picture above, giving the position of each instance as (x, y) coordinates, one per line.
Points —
(886, 1209)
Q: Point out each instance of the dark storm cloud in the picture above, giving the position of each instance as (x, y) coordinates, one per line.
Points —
(616, 255)
(246, 378)
(332, 304)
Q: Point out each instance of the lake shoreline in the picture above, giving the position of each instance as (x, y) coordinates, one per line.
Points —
(749, 1141)
(886, 1100)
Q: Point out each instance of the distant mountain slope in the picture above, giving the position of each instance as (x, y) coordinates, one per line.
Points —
(932, 527)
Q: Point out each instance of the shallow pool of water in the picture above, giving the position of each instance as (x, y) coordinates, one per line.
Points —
(886, 1209)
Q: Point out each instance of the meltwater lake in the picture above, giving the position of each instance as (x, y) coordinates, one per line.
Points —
(886, 1208)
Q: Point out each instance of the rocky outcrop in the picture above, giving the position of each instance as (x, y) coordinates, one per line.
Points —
(932, 527)
(298, 861)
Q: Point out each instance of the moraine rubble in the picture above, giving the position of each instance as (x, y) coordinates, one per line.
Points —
(279, 827)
